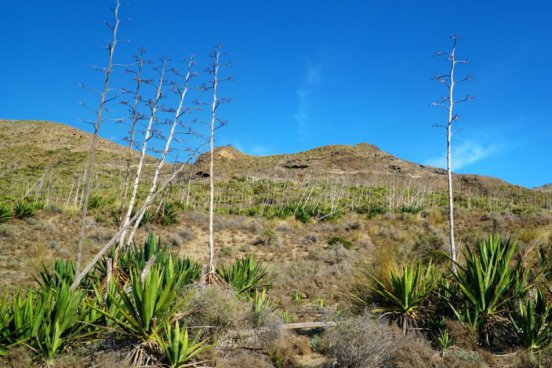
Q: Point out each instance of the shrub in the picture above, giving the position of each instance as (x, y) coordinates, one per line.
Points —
(244, 359)
(220, 308)
(5, 213)
(286, 350)
(23, 210)
(347, 244)
(415, 352)
(360, 342)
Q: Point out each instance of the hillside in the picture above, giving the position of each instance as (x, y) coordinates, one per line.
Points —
(34, 154)
(361, 164)
(545, 188)
(31, 148)
(314, 218)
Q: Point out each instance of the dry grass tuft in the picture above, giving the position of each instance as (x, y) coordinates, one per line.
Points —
(288, 349)
(242, 359)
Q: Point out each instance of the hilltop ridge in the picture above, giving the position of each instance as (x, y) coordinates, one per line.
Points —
(32, 147)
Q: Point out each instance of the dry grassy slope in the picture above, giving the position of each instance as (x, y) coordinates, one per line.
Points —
(362, 164)
(34, 143)
(545, 188)
(30, 149)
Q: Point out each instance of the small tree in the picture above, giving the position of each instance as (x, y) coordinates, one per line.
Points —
(448, 103)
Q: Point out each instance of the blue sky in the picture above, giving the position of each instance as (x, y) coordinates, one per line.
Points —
(311, 73)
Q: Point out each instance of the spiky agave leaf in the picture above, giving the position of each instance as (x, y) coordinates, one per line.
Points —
(245, 275)
(140, 312)
(404, 298)
(531, 322)
(487, 284)
(178, 349)
(64, 271)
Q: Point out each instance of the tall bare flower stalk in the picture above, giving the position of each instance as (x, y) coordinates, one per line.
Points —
(178, 113)
(448, 103)
(154, 105)
(104, 99)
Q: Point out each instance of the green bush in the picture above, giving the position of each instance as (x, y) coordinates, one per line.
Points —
(347, 244)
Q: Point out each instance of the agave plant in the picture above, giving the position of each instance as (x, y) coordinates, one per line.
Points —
(47, 321)
(92, 312)
(405, 298)
(5, 213)
(135, 258)
(27, 312)
(147, 218)
(531, 323)
(261, 304)
(487, 284)
(23, 210)
(64, 272)
(177, 348)
(57, 325)
(5, 320)
(168, 214)
(245, 275)
(96, 201)
(141, 312)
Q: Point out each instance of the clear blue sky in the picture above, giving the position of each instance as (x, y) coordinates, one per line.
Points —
(311, 73)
